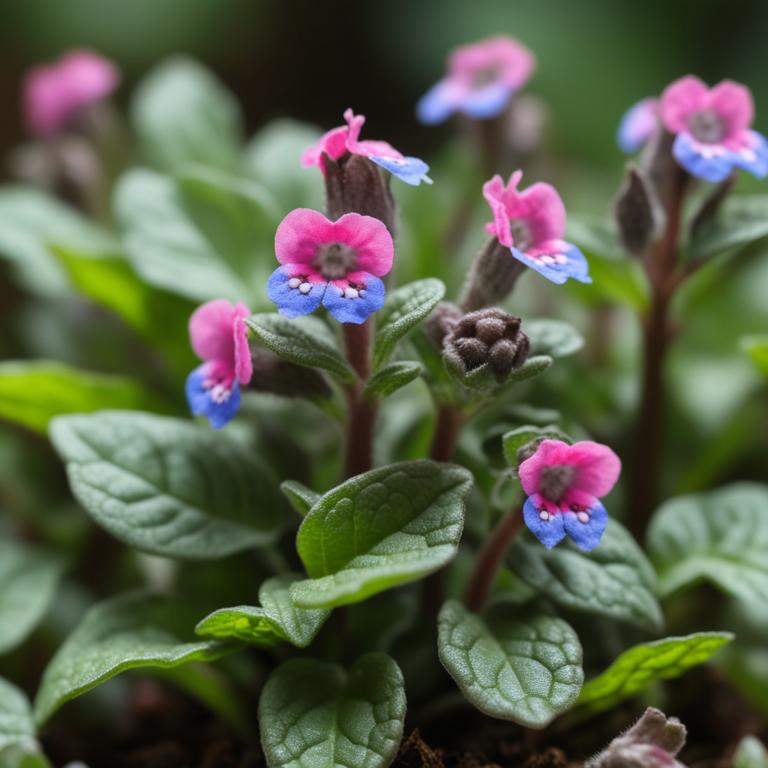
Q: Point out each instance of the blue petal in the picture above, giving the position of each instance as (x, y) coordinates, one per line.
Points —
(291, 302)
(202, 404)
(587, 535)
(359, 309)
(437, 104)
(575, 267)
(548, 532)
(411, 170)
(756, 162)
(486, 102)
(637, 126)
(692, 156)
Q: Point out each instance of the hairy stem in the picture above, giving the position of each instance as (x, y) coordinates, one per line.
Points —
(449, 423)
(662, 271)
(489, 560)
(361, 418)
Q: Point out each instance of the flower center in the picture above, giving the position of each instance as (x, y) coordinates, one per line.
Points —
(219, 384)
(484, 76)
(707, 126)
(555, 481)
(521, 234)
(335, 260)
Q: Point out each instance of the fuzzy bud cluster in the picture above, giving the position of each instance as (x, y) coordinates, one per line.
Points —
(487, 336)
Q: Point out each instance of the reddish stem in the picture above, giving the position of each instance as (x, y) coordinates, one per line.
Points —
(361, 418)
(489, 560)
(447, 430)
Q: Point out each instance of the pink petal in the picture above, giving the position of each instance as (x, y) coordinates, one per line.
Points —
(733, 102)
(369, 147)
(243, 360)
(549, 453)
(680, 100)
(210, 330)
(541, 207)
(370, 238)
(333, 143)
(494, 192)
(598, 467)
(513, 62)
(299, 234)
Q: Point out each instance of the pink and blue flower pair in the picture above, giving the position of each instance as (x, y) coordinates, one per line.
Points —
(712, 128)
(481, 80)
(337, 264)
(564, 484)
(346, 139)
(220, 338)
(55, 93)
(532, 224)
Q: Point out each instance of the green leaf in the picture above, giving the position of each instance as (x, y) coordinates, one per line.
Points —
(111, 282)
(32, 393)
(273, 159)
(302, 498)
(640, 666)
(124, 632)
(304, 341)
(739, 220)
(166, 486)
(380, 529)
(526, 669)
(614, 580)
(404, 308)
(390, 378)
(483, 380)
(756, 347)
(29, 578)
(552, 337)
(202, 236)
(277, 620)
(317, 715)
(30, 223)
(721, 537)
(595, 235)
(516, 439)
(16, 727)
(183, 114)
(750, 754)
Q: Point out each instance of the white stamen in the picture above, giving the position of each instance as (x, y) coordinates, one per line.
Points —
(546, 259)
(583, 517)
(361, 293)
(220, 394)
(294, 282)
(561, 258)
(305, 288)
(351, 293)
(543, 514)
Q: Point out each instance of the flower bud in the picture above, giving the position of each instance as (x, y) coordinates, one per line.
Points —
(353, 184)
(652, 742)
(441, 322)
(667, 176)
(487, 337)
(638, 212)
(491, 278)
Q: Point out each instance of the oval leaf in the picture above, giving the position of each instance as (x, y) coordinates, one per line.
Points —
(183, 114)
(640, 666)
(316, 715)
(614, 580)
(721, 537)
(17, 729)
(524, 669)
(166, 486)
(391, 378)
(386, 527)
(404, 308)
(302, 498)
(125, 632)
(29, 579)
(304, 341)
(739, 220)
(277, 620)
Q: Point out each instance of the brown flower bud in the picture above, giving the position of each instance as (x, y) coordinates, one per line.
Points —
(637, 211)
(354, 184)
(441, 322)
(491, 277)
(487, 337)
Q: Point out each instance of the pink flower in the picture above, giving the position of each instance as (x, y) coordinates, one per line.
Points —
(346, 139)
(638, 124)
(564, 484)
(481, 79)
(53, 94)
(532, 224)
(713, 127)
(336, 264)
(220, 338)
